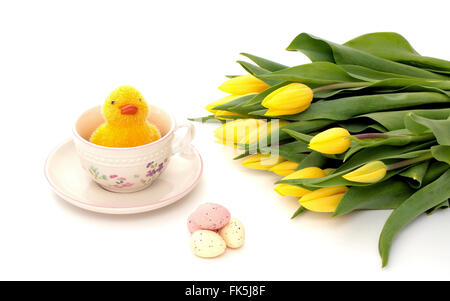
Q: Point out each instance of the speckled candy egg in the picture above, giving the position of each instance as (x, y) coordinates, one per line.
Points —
(233, 234)
(192, 227)
(206, 243)
(209, 216)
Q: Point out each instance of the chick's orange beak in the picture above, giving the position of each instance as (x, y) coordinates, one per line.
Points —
(128, 109)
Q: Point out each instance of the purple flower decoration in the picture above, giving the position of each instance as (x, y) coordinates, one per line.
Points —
(151, 172)
(149, 164)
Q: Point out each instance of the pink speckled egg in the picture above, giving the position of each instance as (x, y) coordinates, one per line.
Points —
(209, 216)
(192, 227)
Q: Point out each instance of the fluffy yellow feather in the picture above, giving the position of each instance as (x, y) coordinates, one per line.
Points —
(125, 112)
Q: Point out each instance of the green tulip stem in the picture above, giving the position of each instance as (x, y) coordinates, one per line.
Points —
(405, 163)
(341, 86)
(371, 135)
(385, 136)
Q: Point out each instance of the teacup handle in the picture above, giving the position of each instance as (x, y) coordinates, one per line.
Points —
(179, 144)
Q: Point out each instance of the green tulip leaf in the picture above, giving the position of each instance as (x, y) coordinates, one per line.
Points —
(394, 120)
(257, 99)
(390, 85)
(415, 174)
(367, 74)
(235, 102)
(298, 136)
(298, 211)
(392, 46)
(319, 50)
(440, 128)
(279, 136)
(294, 147)
(443, 205)
(348, 107)
(264, 63)
(386, 153)
(258, 72)
(398, 138)
(231, 117)
(435, 169)
(313, 159)
(379, 196)
(294, 151)
(313, 74)
(441, 153)
(243, 155)
(252, 69)
(361, 124)
(207, 119)
(421, 201)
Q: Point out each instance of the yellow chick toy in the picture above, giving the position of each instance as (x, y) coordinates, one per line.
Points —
(125, 112)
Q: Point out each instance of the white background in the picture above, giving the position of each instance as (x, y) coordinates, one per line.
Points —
(58, 58)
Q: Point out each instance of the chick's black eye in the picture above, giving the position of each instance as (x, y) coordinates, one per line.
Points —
(112, 102)
(140, 99)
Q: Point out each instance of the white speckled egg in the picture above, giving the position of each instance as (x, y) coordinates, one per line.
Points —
(206, 243)
(233, 233)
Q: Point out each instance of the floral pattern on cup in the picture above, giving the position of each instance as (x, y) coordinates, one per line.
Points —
(153, 169)
(120, 182)
(96, 174)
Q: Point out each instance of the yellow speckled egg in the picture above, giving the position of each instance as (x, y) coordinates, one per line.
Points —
(206, 243)
(233, 233)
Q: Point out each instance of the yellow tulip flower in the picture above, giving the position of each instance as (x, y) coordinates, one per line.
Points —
(284, 168)
(331, 141)
(371, 172)
(223, 100)
(234, 131)
(243, 84)
(304, 173)
(220, 113)
(290, 190)
(262, 161)
(290, 99)
(263, 131)
(324, 199)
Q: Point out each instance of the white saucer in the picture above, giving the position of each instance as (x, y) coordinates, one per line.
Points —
(67, 178)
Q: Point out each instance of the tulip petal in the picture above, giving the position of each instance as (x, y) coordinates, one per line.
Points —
(306, 173)
(244, 84)
(262, 161)
(289, 97)
(284, 168)
(331, 141)
(262, 131)
(324, 204)
(371, 172)
(290, 190)
(234, 131)
(324, 199)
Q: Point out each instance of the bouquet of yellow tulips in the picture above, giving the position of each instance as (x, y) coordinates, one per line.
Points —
(366, 125)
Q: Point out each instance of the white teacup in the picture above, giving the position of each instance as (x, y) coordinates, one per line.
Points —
(133, 168)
